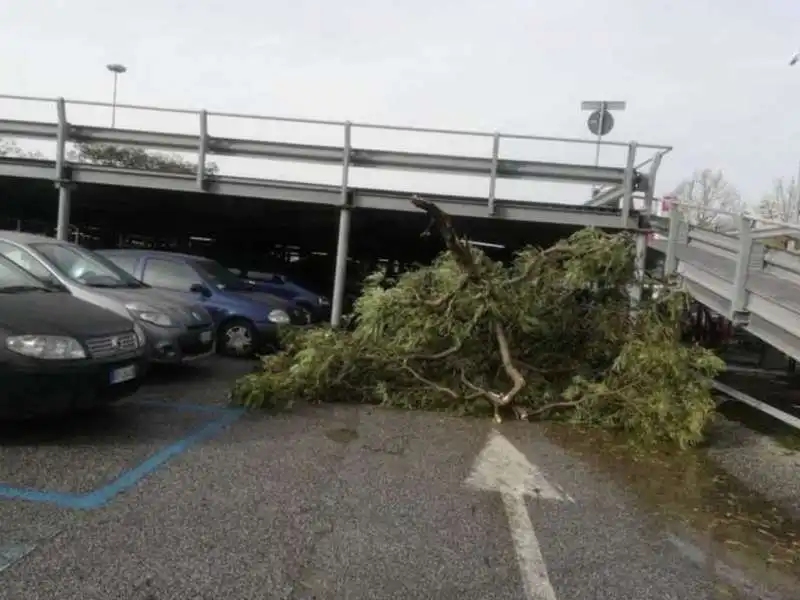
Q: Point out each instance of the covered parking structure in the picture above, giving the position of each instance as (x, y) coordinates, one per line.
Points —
(253, 233)
(241, 216)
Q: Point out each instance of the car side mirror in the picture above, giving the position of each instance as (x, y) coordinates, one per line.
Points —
(199, 288)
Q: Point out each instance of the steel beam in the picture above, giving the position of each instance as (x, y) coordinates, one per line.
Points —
(771, 232)
(510, 210)
(28, 129)
(508, 169)
(530, 212)
(608, 197)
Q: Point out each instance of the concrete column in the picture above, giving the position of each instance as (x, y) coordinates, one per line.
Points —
(64, 209)
(340, 273)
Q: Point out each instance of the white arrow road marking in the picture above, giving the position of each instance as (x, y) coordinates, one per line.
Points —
(500, 467)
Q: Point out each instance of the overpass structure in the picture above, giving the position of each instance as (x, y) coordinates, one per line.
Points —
(626, 179)
(736, 274)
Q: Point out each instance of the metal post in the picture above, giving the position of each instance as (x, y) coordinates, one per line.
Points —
(627, 198)
(343, 239)
(116, 69)
(114, 102)
(62, 222)
(649, 195)
(600, 135)
(739, 292)
(62, 225)
(61, 138)
(671, 259)
(201, 150)
(493, 171)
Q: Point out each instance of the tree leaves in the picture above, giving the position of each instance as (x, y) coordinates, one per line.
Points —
(434, 339)
(132, 157)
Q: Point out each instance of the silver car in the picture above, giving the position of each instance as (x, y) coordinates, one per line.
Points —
(176, 331)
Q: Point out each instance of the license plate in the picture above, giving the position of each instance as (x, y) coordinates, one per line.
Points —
(123, 374)
(205, 337)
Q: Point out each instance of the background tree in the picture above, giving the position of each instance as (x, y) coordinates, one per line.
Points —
(131, 157)
(780, 203)
(708, 191)
(11, 149)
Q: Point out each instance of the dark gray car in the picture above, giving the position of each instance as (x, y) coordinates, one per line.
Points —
(176, 330)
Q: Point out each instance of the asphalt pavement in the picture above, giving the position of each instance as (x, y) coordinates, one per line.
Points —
(175, 496)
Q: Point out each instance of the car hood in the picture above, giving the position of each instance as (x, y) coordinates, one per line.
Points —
(172, 304)
(297, 314)
(264, 298)
(57, 313)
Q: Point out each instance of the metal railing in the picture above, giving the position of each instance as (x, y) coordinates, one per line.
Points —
(742, 245)
(493, 167)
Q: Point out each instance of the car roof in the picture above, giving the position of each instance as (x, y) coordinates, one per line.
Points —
(20, 237)
(155, 253)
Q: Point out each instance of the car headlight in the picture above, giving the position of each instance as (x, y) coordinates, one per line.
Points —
(156, 318)
(323, 301)
(50, 347)
(150, 315)
(140, 337)
(279, 317)
(199, 314)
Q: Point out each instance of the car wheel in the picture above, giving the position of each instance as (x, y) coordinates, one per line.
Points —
(237, 338)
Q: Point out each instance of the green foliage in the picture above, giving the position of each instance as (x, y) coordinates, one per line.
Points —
(131, 157)
(430, 341)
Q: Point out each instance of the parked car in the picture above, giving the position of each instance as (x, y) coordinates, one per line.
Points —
(59, 353)
(279, 285)
(247, 320)
(176, 330)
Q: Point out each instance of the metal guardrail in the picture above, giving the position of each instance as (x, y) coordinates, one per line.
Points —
(742, 247)
(494, 166)
(735, 274)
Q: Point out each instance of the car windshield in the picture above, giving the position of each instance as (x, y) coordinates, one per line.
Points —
(221, 277)
(14, 278)
(86, 267)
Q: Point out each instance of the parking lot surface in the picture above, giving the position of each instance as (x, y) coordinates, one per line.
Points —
(175, 496)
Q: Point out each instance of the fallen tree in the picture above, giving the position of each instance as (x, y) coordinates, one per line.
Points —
(551, 335)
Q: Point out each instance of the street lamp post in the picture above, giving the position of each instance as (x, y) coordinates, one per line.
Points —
(117, 70)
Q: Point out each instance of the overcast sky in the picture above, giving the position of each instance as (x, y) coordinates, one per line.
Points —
(709, 77)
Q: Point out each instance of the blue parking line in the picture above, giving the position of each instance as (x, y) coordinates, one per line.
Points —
(130, 478)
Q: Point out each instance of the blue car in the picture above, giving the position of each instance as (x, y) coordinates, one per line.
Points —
(279, 285)
(246, 320)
